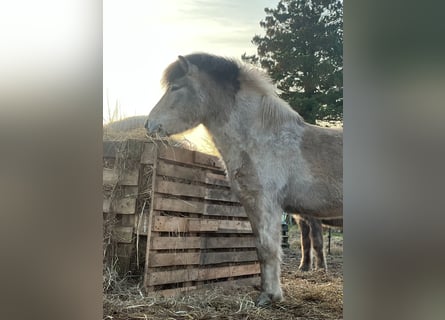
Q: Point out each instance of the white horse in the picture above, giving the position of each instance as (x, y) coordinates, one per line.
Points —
(276, 162)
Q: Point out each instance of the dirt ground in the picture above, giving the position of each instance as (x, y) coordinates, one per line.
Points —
(308, 295)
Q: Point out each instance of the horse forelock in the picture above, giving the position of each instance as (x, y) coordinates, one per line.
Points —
(222, 70)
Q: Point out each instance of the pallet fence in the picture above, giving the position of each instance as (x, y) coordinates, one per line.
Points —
(176, 218)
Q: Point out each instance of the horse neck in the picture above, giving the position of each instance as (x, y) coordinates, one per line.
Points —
(241, 127)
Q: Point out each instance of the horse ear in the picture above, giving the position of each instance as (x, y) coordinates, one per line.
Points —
(185, 65)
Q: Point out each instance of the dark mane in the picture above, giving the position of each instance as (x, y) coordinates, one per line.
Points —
(224, 71)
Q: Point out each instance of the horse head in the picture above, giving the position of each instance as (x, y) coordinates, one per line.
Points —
(182, 105)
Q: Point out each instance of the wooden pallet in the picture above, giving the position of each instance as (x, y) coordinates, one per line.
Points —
(196, 231)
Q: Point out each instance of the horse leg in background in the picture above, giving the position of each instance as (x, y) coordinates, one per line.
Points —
(305, 242)
(316, 238)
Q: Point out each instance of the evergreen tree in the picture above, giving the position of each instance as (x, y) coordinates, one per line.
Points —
(302, 51)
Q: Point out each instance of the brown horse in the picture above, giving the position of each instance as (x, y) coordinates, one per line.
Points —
(275, 161)
(311, 238)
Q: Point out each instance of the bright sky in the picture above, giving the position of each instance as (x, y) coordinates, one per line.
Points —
(142, 37)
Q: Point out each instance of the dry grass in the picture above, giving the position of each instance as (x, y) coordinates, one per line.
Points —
(308, 295)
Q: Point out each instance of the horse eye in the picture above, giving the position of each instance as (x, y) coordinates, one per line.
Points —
(175, 87)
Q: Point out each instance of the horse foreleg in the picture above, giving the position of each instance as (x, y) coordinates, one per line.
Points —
(266, 225)
(305, 242)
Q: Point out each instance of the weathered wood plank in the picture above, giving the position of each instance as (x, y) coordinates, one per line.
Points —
(227, 242)
(203, 225)
(196, 274)
(175, 171)
(159, 243)
(217, 179)
(184, 156)
(192, 174)
(196, 191)
(200, 258)
(234, 226)
(169, 224)
(225, 211)
(149, 153)
(177, 205)
(174, 276)
(178, 224)
(189, 206)
(174, 259)
(230, 256)
(220, 195)
(206, 159)
(229, 271)
(149, 223)
(180, 189)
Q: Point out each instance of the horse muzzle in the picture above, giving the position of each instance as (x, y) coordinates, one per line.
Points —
(153, 127)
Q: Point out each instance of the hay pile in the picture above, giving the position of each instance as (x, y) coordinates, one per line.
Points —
(133, 128)
(308, 295)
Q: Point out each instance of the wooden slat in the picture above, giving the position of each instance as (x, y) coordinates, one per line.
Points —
(229, 271)
(176, 205)
(220, 195)
(148, 154)
(227, 242)
(169, 224)
(217, 179)
(224, 211)
(174, 259)
(223, 257)
(192, 174)
(203, 225)
(178, 224)
(173, 276)
(196, 274)
(159, 243)
(228, 226)
(200, 258)
(180, 189)
(175, 171)
(183, 156)
(189, 206)
(206, 159)
(149, 223)
(196, 191)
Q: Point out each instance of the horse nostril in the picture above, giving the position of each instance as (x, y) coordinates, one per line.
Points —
(152, 127)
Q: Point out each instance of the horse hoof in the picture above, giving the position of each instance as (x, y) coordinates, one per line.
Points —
(266, 299)
(304, 268)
